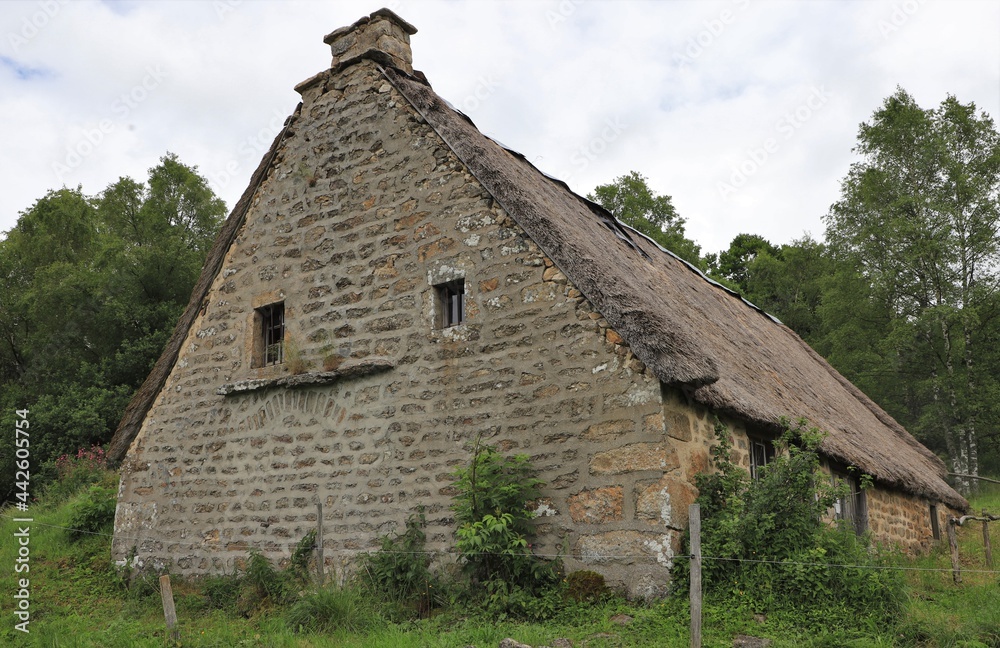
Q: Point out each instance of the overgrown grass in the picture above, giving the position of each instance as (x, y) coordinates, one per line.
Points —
(78, 600)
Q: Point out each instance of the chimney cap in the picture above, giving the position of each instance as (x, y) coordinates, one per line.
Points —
(381, 36)
(384, 13)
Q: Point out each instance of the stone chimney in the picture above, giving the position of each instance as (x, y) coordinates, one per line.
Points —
(383, 37)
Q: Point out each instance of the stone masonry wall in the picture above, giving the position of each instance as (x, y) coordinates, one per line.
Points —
(904, 519)
(893, 516)
(364, 211)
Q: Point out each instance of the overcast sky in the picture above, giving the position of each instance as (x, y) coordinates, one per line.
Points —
(744, 111)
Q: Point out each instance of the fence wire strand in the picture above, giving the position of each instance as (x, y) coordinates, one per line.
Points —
(454, 554)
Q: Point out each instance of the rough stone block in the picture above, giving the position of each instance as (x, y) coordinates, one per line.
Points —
(635, 457)
(665, 501)
(622, 547)
(608, 431)
(597, 506)
(678, 424)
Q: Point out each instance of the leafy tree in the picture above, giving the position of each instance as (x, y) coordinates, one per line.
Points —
(734, 263)
(785, 281)
(90, 289)
(918, 219)
(632, 202)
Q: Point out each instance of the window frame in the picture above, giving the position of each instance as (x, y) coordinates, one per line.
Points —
(450, 303)
(270, 334)
(854, 508)
(766, 450)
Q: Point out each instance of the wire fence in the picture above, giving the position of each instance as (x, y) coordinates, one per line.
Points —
(246, 546)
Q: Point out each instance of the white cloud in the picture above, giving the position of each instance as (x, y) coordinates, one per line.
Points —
(683, 92)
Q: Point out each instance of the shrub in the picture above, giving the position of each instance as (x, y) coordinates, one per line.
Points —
(492, 507)
(70, 473)
(302, 556)
(94, 512)
(222, 591)
(771, 546)
(263, 585)
(260, 585)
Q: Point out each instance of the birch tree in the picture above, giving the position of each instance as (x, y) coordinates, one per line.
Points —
(918, 217)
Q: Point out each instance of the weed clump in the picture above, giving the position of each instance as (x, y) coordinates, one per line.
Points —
(261, 585)
(331, 608)
(399, 572)
(94, 512)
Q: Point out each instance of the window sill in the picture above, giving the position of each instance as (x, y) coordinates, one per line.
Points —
(362, 367)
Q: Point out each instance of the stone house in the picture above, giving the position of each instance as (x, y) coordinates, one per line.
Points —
(392, 286)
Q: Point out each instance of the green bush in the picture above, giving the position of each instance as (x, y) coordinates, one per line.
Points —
(94, 512)
(768, 544)
(492, 506)
(302, 556)
(222, 590)
(261, 585)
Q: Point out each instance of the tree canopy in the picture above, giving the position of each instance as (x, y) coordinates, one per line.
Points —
(902, 297)
(631, 200)
(90, 290)
(917, 223)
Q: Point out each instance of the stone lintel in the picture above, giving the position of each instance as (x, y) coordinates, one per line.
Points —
(363, 367)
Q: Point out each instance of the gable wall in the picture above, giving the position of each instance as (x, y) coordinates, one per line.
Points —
(365, 210)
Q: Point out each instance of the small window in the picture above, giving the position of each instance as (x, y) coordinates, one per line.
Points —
(761, 454)
(853, 507)
(451, 303)
(272, 334)
(935, 524)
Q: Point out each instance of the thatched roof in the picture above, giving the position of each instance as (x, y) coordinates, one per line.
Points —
(691, 332)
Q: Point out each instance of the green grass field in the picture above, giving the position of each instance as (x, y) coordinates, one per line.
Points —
(78, 599)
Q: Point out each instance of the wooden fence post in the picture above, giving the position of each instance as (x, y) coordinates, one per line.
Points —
(169, 613)
(986, 540)
(694, 520)
(956, 567)
(320, 562)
